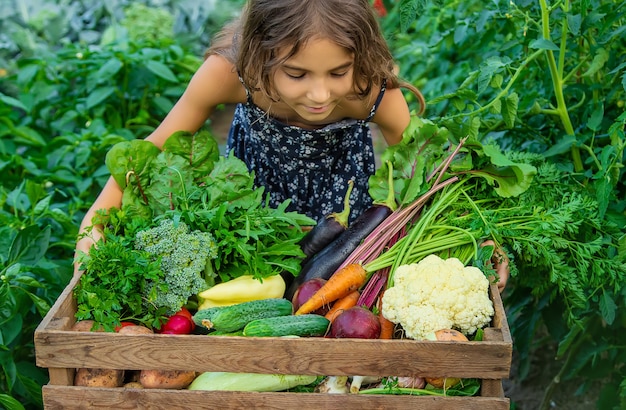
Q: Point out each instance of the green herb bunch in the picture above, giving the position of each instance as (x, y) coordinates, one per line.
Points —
(116, 277)
(189, 219)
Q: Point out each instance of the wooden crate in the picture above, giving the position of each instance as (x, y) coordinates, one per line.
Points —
(62, 351)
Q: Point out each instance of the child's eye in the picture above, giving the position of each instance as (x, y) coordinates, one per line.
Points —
(294, 76)
(339, 74)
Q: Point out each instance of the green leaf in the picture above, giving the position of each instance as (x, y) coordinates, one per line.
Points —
(29, 136)
(42, 206)
(408, 13)
(508, 178)
(98, 95)
(12, 102)
(487, 69)
(509, 109)
(10, 403)
(595, 120)
(607, 307)
(161, 70)
(108, 70)
(561, 146)
(8, 365)
(30, 245)
(41, 304)
(599, 60)
(543, 44)
(11, 329)
(573, 23)
(130, 157)
(496, 107)
(200, 150)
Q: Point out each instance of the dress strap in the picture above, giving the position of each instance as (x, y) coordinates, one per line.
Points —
(383, 87)
(248, 95)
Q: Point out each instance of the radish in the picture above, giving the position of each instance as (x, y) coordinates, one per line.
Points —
(356, 322)
(304, 293)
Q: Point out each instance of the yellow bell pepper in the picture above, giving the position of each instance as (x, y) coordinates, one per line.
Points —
(242, 289)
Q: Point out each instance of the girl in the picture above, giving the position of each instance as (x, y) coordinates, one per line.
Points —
(307, 77)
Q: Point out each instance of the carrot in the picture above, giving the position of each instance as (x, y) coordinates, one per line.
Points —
(342, 304)
(387, 327)
(343, 282)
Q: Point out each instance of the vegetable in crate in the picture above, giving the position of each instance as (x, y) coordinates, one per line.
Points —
(249, 381)
(328, 260)
(183, 255)
(244, 288)
(438, 294)
(445, 335)
(235, 317)
(327, 229)
(310, 325)
(180, 323)
(166, 379)
(356, 322)
(304, 293)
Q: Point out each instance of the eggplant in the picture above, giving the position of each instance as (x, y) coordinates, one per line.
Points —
(324, 263)
(327, 229)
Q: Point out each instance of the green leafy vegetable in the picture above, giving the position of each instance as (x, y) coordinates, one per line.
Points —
(194, 218)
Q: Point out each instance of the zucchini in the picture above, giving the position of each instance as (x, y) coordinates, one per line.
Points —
(235, 317)
(249, 381)
(301, 325)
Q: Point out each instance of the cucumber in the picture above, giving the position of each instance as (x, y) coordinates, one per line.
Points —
(235, 317)
(300, 325)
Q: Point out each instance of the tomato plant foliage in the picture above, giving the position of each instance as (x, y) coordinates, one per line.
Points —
(543, 78)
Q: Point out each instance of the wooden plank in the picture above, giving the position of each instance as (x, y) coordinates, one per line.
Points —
(499, 318)
(491, 388)
(274, 355)
(67, 398)
(62, 377)
(63, 309)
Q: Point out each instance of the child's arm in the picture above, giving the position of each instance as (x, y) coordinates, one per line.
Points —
(392, 116)
(214, 83)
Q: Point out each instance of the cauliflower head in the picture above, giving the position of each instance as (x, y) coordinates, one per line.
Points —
(438, 294)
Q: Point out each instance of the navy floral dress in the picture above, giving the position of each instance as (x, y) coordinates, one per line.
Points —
(310, 167)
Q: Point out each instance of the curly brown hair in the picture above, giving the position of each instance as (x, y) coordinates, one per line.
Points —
(266, 27)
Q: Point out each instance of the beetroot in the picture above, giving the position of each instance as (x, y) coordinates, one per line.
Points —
(304, 293)
(356, 322)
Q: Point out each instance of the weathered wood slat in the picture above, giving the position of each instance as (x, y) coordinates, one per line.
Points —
(68, 398)
(274, 355)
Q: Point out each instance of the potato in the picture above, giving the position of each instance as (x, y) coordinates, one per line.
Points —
(85, 326)
(135, 330)
(449, 335)
(133, 385)
(95, 377)
(99, 377)
(166, 379)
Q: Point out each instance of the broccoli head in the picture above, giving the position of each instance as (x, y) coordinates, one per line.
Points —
(183, 256)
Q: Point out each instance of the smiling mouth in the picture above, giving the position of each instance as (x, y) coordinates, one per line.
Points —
(317, 110)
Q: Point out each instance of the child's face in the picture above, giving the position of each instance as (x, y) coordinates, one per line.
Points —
(315, 80)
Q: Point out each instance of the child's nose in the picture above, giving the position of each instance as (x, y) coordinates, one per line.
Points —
(319, 92)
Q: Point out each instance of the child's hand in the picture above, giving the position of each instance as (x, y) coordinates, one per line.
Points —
(500, 262)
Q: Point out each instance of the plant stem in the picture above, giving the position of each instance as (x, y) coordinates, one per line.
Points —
(505, 91)
(556, 73)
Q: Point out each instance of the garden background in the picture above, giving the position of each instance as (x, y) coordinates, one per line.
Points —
(537, 76)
